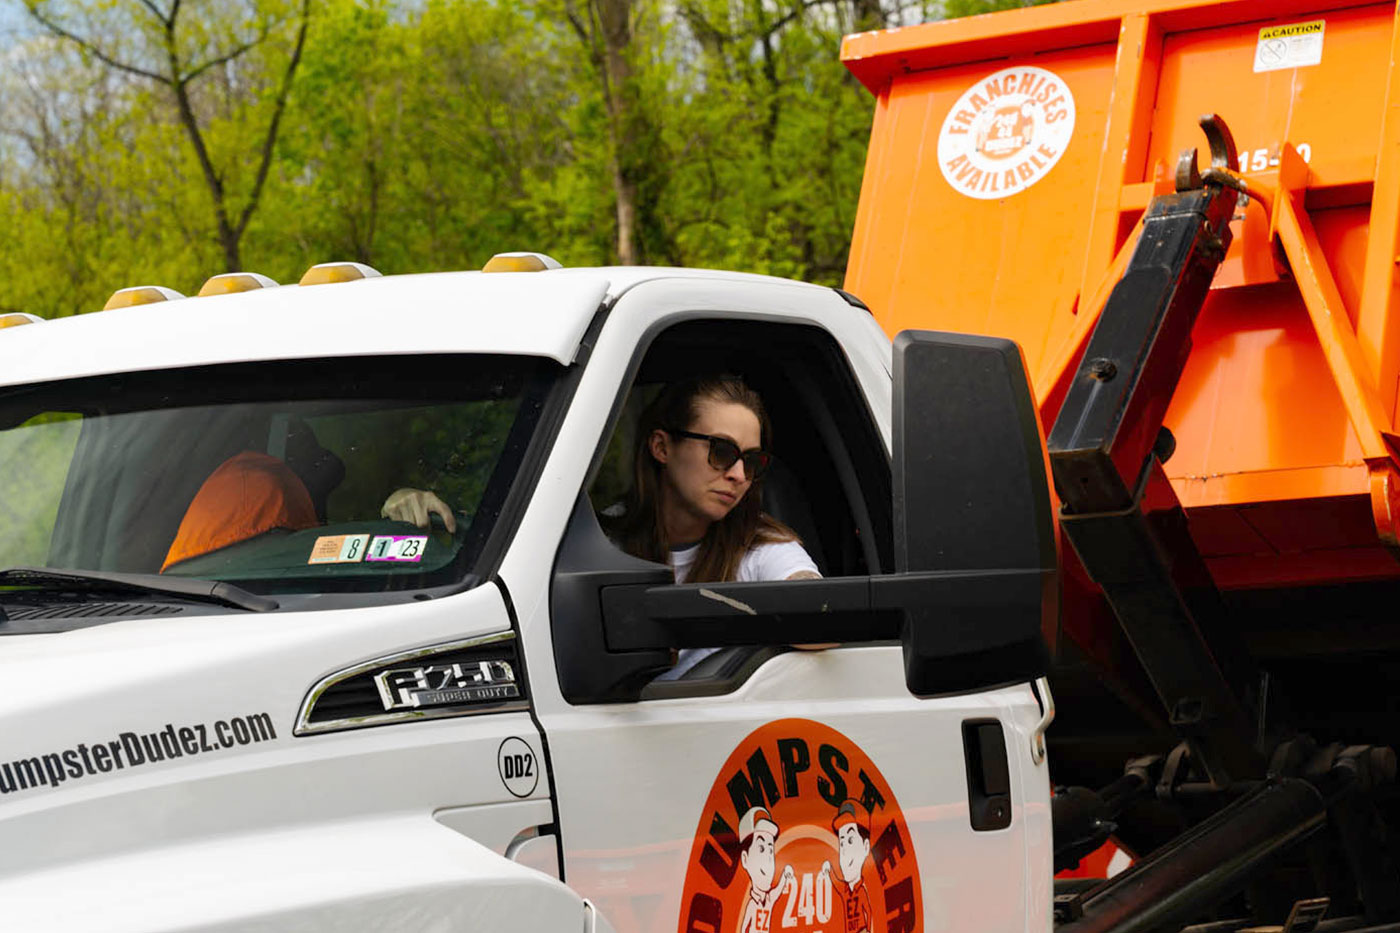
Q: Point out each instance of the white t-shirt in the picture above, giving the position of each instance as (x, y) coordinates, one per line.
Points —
(776, 560)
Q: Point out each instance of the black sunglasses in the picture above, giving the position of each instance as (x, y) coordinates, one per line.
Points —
(724, 453)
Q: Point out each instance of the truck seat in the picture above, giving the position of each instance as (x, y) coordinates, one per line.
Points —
(319, 469)
(784, 499)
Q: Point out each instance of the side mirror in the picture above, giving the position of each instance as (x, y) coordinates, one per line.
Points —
(971, 511)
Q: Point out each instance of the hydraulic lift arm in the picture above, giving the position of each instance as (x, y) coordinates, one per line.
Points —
(1106, 449)
(1124, 521)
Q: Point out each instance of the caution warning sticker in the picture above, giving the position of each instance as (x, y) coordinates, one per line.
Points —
(1291, 46)
(801, 834)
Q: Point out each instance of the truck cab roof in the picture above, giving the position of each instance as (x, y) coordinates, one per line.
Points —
(534, 314)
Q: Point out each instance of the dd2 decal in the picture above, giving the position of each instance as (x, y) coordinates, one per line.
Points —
(801, 833)
(519, 768)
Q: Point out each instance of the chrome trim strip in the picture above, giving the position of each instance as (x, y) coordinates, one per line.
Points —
(305, 727)
(522, 837)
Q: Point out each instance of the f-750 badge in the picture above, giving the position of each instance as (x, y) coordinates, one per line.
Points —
(444, 684)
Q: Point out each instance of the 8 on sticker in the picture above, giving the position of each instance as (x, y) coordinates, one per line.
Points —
(338, 549)
(397, 548)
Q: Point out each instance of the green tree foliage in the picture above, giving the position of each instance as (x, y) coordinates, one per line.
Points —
(37, 456)
(953, 9)
(212, 65)
(426, 135)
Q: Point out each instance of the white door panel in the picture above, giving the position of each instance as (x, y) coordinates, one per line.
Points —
(652, 794)
(629, 849)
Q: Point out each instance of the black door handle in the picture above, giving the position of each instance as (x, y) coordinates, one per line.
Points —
(988, 778)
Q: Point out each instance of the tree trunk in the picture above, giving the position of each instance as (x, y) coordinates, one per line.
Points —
(627, 252)
(868, 15)
(229, 241)
(615, 22)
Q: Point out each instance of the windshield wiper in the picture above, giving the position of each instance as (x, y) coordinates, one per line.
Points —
(207, 591)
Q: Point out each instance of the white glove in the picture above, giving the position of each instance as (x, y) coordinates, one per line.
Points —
(415, 506)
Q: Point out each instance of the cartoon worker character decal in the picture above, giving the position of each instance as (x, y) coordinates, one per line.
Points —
(758, 838)
(852, 827)
(801, 833)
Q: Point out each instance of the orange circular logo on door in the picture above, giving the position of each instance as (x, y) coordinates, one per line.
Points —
(801, 833)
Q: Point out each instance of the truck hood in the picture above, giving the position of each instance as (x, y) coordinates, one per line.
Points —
(149, 731)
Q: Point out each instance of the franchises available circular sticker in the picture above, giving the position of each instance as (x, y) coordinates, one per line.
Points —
(1006, 132)
(801, 833)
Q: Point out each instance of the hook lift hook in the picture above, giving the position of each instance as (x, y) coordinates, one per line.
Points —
(1223, 158)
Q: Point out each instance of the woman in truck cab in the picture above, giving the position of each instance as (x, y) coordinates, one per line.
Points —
(694, 501)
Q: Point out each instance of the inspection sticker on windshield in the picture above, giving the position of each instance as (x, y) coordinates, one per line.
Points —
(1292, 46)
(397, 547)
(339, 549)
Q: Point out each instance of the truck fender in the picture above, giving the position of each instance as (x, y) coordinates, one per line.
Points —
(404, 872)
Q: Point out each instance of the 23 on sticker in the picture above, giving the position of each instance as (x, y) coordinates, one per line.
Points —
(397, 548)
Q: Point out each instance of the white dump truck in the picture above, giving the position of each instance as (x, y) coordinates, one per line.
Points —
(217, 718)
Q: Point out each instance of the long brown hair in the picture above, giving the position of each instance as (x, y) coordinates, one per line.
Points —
(640, 531)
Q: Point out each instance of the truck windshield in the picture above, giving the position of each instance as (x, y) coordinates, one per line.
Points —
(276, 476)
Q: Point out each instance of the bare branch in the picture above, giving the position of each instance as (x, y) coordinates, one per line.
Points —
(156, 12)
(270, 139)
(188, 120)
(91, 48)
(705, 31)
(584, 36)
(191, 125)
(791, 15)
(198, 70)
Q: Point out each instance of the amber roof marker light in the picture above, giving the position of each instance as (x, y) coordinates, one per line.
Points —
(140, 295)
(327, 273)
(18, 319)
(227, 283)
(521, 262)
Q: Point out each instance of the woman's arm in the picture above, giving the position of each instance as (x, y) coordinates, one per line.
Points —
(811, 575)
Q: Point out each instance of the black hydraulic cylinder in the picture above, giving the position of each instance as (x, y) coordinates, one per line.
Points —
(1080, 824)
(1105, 450)
(1112, 413)
(1204, 866)
(1082, 819)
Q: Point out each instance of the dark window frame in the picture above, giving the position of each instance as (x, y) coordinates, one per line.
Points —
(859, 469)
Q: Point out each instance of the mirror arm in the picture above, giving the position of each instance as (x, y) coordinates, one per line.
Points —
(946, 609)
(704, 615)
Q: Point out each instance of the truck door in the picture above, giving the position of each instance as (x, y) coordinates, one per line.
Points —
(769, 788)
